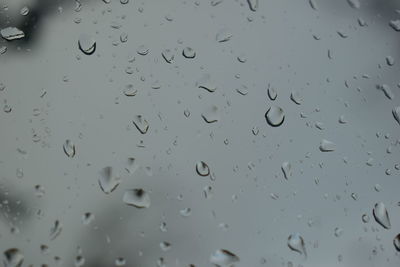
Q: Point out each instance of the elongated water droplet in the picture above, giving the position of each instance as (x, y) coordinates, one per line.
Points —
(296, 243)
(55, 229)
(286, 169)
(272, 94)
(69, 148)
(313, 4)
(275, 116)
(396, 242)
(381, 215)
(354, 3)
(137, 197)
(386, 90)
(168, 55)
(13, 257)
(210, 115)
(87, 44)
(253, 5)
(223, 257)
(108, 180)
(223, 35)
(202, 168)
(188, 52)
(327, 146)
(12, 33)
(141, 124)
(396, 114)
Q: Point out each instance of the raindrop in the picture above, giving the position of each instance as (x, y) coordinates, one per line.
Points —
(223, 35)
(354, 3)
(327, 146)
(87, 218)
(253, 5)
(205, 82)
(87, 44)
(141, 124)
(242, 90)
(296, 97)
(123, 37)
(386, 90)
(313, 4)
(131, 165)
(272, 94)
(12, 33)
(130, 90)
(275, 116)
(124, 1)
(210, 115)
(168, 55)
(338, 231)
(165, 246)
(342, 119)
(216, 2)
(13, 257)
(108, 180)
(142, 50)
(186, 212)
(120, 261)
(79, 261)
(286, 169)
(296, 243)
(396, 242)
(69, 148)
(223, 257)
(395, 24)
(39, 191)
(381, 215)
(365, 218)
(208, 192)
(390, 60)
(24, 11)
(396, 113)
(55, 230)
(137, 197)
(188, 52)
(202, 168)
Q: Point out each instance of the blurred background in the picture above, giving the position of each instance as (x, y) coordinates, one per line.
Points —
(199, 133)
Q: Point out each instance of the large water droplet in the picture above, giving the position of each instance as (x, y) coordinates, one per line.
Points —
(69, 148)
(202, 168)
(396, 114)
(137, 197)
(108, 180)
(381, 215)
(223, 257)
(296, 243)
(87, 44)
(13, 257)
(327, 146)
(12, 33)
(275, 116)
(141, 124)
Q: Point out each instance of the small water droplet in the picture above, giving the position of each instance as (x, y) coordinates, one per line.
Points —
(137, 197)
(381, 215)
(396, 114)
(210, 115)
(223, 35)
(69, 148)
(327, 146)
(354, 3)
(365, 218)
(24, 11)
(39, 191)
(223, 257)
(141, 124)
(188, 52)
(338, 231)
(165, 246)
(205, 82)
(296, 97)
(79, 261)
(202, 168)
(55, 229)
(108, 180)
(272, 93)
(253, 5)
(120, 261)
(13, 257)
(142, 50)
(186, 212)
(395, 24)
(87, 218)
(87, 44)
(286, 169)
(168, 55)
(386, 90)
(396, 242)
(296, 243)
(275, 116)
(130, 90)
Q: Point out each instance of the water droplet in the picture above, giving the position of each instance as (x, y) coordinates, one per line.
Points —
(87, 44)
(202, 168)
(19, 173)
(396, 113)
(365, 218)
(108, 180)
(79, 261)
(223, 257)
(286, 169)
(381, 215)
(24, 11)
(313, 4)
(272, 94)
(205, 82)
(165, 246)
(395, 24)
(141, 124)
(168, 55)
(386, 90)
(55, 230)
(163, 227)
(210, 115)
(327, 146)
(253, 5)
(296, 243)
(396, 242)
(137, 197)
(342, 119)
(390, 60)
(296, 97)
(39, 191)
(123, 37)
(124, 1)
(208, 192)
(338, 231)
(223, 35)
(216, 2)
(12, 33)
(142, 50)
(130, 90)
(275, 116)
(87, 218)
(13, 257)
(242, 90)
(3, 49)
(354, 3)
(186, 212)
(120, 261)
(188, 52)
(69, 148)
